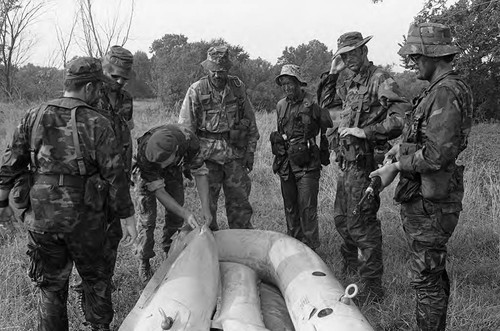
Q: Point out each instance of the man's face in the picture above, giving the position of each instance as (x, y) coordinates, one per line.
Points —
(119, 80)
(290, 86)
(218, 78)
(353, 59)
(423, 65)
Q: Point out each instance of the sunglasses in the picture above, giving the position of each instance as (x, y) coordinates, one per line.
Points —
(414, 58)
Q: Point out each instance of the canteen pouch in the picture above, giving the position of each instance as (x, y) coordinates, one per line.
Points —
(21, 191)
(298, 152)
(435, 185)
(238, 134)
(96, 192)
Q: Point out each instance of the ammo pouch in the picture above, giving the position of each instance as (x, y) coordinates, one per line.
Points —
(435, 185)
(35, 272)
(238, 134)
(351, 148)
(21, 190)
(406, 190)
(298, 151)
(278, 144)
(96, 192)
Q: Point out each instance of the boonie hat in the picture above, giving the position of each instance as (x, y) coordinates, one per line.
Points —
(429, 39)
(84, 69)
(349, 41)
(161, 145)
(217, 59)
(118, 61)
(291, 70)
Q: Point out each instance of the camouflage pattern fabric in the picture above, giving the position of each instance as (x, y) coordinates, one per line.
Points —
(205, 110)
(382, 111)
(440, 122)
(233, 177)
(62, 229)
(302, 120)
(172, 178)
(300, 199)
(188, 158)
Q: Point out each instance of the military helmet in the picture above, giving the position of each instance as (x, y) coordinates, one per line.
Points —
(429, 39)
(291, 70)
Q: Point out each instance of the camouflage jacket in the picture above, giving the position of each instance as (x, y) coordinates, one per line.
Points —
(304, 120)
(60, 208)
(120, 114)
(380, 103)
(209, 113)
(439, 127)
(188, 154)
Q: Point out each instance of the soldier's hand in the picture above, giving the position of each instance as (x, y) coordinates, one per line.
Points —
(191, 220)
(337, 65)
(356, 132)
(249, 160)
(392, 155)
(207, 218)
(129, 229)
(387, 174)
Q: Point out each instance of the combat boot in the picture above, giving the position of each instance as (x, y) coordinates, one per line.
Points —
(145, 271)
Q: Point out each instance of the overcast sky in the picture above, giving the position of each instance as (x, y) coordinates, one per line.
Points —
(262, 27)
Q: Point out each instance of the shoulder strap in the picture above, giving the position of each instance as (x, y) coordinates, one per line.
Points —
(76, 142)
(38, 119)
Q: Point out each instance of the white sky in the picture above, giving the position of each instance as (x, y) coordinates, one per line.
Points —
(263, 28)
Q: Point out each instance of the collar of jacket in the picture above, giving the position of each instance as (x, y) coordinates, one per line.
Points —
(68, 102)
(440, 78)
(304, 96)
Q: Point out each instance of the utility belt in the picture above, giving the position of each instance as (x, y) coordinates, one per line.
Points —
(300, 150)
(214, 135)
(61, 180)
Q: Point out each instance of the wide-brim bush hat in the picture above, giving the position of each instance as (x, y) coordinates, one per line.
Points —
(349, 41)
(118, 61)
(292, 70)
(429, 39)
(217, 59)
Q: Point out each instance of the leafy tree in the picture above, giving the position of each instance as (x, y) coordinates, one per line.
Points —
(35, 83)
(474, 25)
(140, 85)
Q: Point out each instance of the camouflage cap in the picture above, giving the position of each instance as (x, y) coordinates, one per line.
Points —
(161, 145)
(292, 70)
(84, 69)
(118, 61)
(217, 59)
(429, 39)
(349, 41)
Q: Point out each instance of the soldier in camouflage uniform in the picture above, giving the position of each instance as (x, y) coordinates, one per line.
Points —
(430, 188)
(373, 111)
(73, 155)
(218, 110)
(115, 104)
(298, 158)
(164, 153)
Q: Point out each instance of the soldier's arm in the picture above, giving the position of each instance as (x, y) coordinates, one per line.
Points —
(391, 99)
(112, 169)
(187, 114)
(253, 131)
(443, 135)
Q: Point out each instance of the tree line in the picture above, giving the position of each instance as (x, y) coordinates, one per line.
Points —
(173, 62)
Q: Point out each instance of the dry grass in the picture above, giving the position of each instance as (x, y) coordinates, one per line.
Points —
(474, 249)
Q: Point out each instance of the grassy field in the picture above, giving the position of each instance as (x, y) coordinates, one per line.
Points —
(474, 249)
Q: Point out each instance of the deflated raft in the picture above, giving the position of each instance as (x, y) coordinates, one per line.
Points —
(182, 294)
(312, 294)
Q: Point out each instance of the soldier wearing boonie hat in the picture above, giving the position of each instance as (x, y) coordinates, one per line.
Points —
(164, 153)
(297, 157)
(68, 147)
(373, 111)
(430, 188)
(218, 110)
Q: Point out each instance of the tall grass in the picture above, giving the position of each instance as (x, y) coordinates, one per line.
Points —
(474, 249)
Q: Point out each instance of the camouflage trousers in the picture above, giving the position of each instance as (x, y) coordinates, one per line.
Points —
(148, 214)
(427, 231)
(362, 234)
(233, 177)
(114, 234)
(300, 197)
(52, 256)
